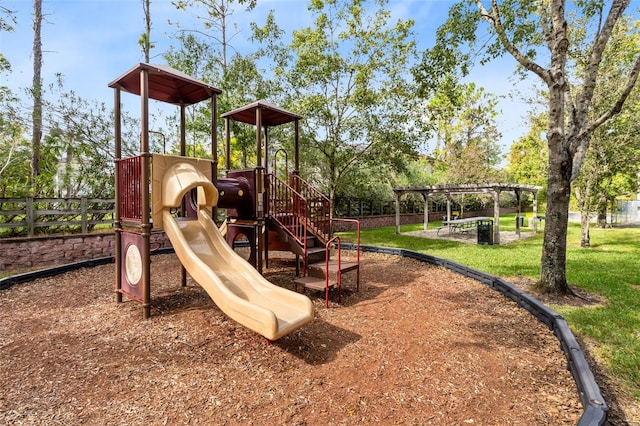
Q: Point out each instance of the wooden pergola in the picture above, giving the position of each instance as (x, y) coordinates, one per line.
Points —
(494, 189)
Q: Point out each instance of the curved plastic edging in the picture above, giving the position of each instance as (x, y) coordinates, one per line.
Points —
(594, 406)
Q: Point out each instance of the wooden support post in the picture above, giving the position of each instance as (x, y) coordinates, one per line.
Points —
(496, 217)
(398, 212)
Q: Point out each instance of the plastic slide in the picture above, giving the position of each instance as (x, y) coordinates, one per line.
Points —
(232, 283)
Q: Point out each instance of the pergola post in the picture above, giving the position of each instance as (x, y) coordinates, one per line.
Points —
(496, 217)
(535, 212)
(398, 212)
(519, 201)
(426, 210)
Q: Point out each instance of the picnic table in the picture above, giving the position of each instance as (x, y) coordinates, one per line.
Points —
(462, 225)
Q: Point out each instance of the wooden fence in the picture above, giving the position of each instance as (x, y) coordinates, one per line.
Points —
(32, 216)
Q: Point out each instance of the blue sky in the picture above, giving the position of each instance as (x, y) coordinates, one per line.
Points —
(92, 42)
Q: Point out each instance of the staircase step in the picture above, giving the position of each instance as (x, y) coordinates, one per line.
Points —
(314, 283)
(333, 266)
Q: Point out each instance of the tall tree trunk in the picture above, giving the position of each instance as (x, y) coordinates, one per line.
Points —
(585, 238)
(553, 277)
(583, 195)
(36, 115)
(146, 6)
(602, 211)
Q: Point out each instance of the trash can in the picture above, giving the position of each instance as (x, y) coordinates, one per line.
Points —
(520, 219)
(485, 232)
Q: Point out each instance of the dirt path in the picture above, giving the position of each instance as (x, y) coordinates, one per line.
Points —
(417, 344)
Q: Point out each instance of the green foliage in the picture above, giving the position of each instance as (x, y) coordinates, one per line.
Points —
(464, 120)
(15, 150)
(347, 80)
(611, 163)
(528, 157)
(202, 53)
(7, 23)
(78, 152)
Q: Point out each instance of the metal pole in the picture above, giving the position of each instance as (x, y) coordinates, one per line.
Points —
(144, 188)
(227, 145)
(535, 212)
(297, 148)
(259, 187)
(117, 224)
(183, 153)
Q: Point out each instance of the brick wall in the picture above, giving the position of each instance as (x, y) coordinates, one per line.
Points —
(22, 254)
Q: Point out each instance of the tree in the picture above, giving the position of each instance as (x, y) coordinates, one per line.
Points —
(528, 156)
(78, 149)
(610, 168)
(145, 38)
(206, 54)
(346, 78)
(532, 32)
(464, 120)
(611, 162)
(7, 21)
(14, 148)
(36, 92)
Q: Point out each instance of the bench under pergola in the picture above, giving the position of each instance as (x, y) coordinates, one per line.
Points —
(494, 189)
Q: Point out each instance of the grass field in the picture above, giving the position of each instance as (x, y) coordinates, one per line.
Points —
(610, 268)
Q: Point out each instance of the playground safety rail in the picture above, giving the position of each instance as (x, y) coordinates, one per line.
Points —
(130, 171)
(318, 205)
(333, 241)
(288, 208)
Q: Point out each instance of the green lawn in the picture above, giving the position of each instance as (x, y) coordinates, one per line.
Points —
(611, 268)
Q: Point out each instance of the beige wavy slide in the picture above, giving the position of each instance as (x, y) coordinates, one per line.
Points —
(240, 291)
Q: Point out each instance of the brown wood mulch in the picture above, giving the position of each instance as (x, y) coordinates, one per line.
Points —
(417, 345)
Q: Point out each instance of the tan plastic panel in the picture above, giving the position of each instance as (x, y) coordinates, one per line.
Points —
(232, 283)
(172, 177)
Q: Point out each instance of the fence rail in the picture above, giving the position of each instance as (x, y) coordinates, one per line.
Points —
(31, 216)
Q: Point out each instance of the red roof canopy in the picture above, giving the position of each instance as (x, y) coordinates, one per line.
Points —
(166, 84)
(271, 114)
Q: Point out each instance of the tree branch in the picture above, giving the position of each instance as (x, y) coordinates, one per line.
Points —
(493, 18)
(600, 43)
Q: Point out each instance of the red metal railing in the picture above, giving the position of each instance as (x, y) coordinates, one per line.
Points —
(289, 209)
(327, 249)
(318, 207)
(129, 193)
(357, 223)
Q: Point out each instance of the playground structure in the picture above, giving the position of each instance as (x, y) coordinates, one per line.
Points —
(180, 195)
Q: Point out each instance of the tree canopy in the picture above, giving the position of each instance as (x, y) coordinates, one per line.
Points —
(538, 36)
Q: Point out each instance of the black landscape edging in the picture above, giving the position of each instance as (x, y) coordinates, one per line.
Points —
(593, 404)
(7, 282)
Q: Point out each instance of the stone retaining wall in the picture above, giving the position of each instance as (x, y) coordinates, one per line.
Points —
(25, 254)
(22, 254)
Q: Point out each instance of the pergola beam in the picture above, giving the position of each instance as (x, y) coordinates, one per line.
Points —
(493, 189)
